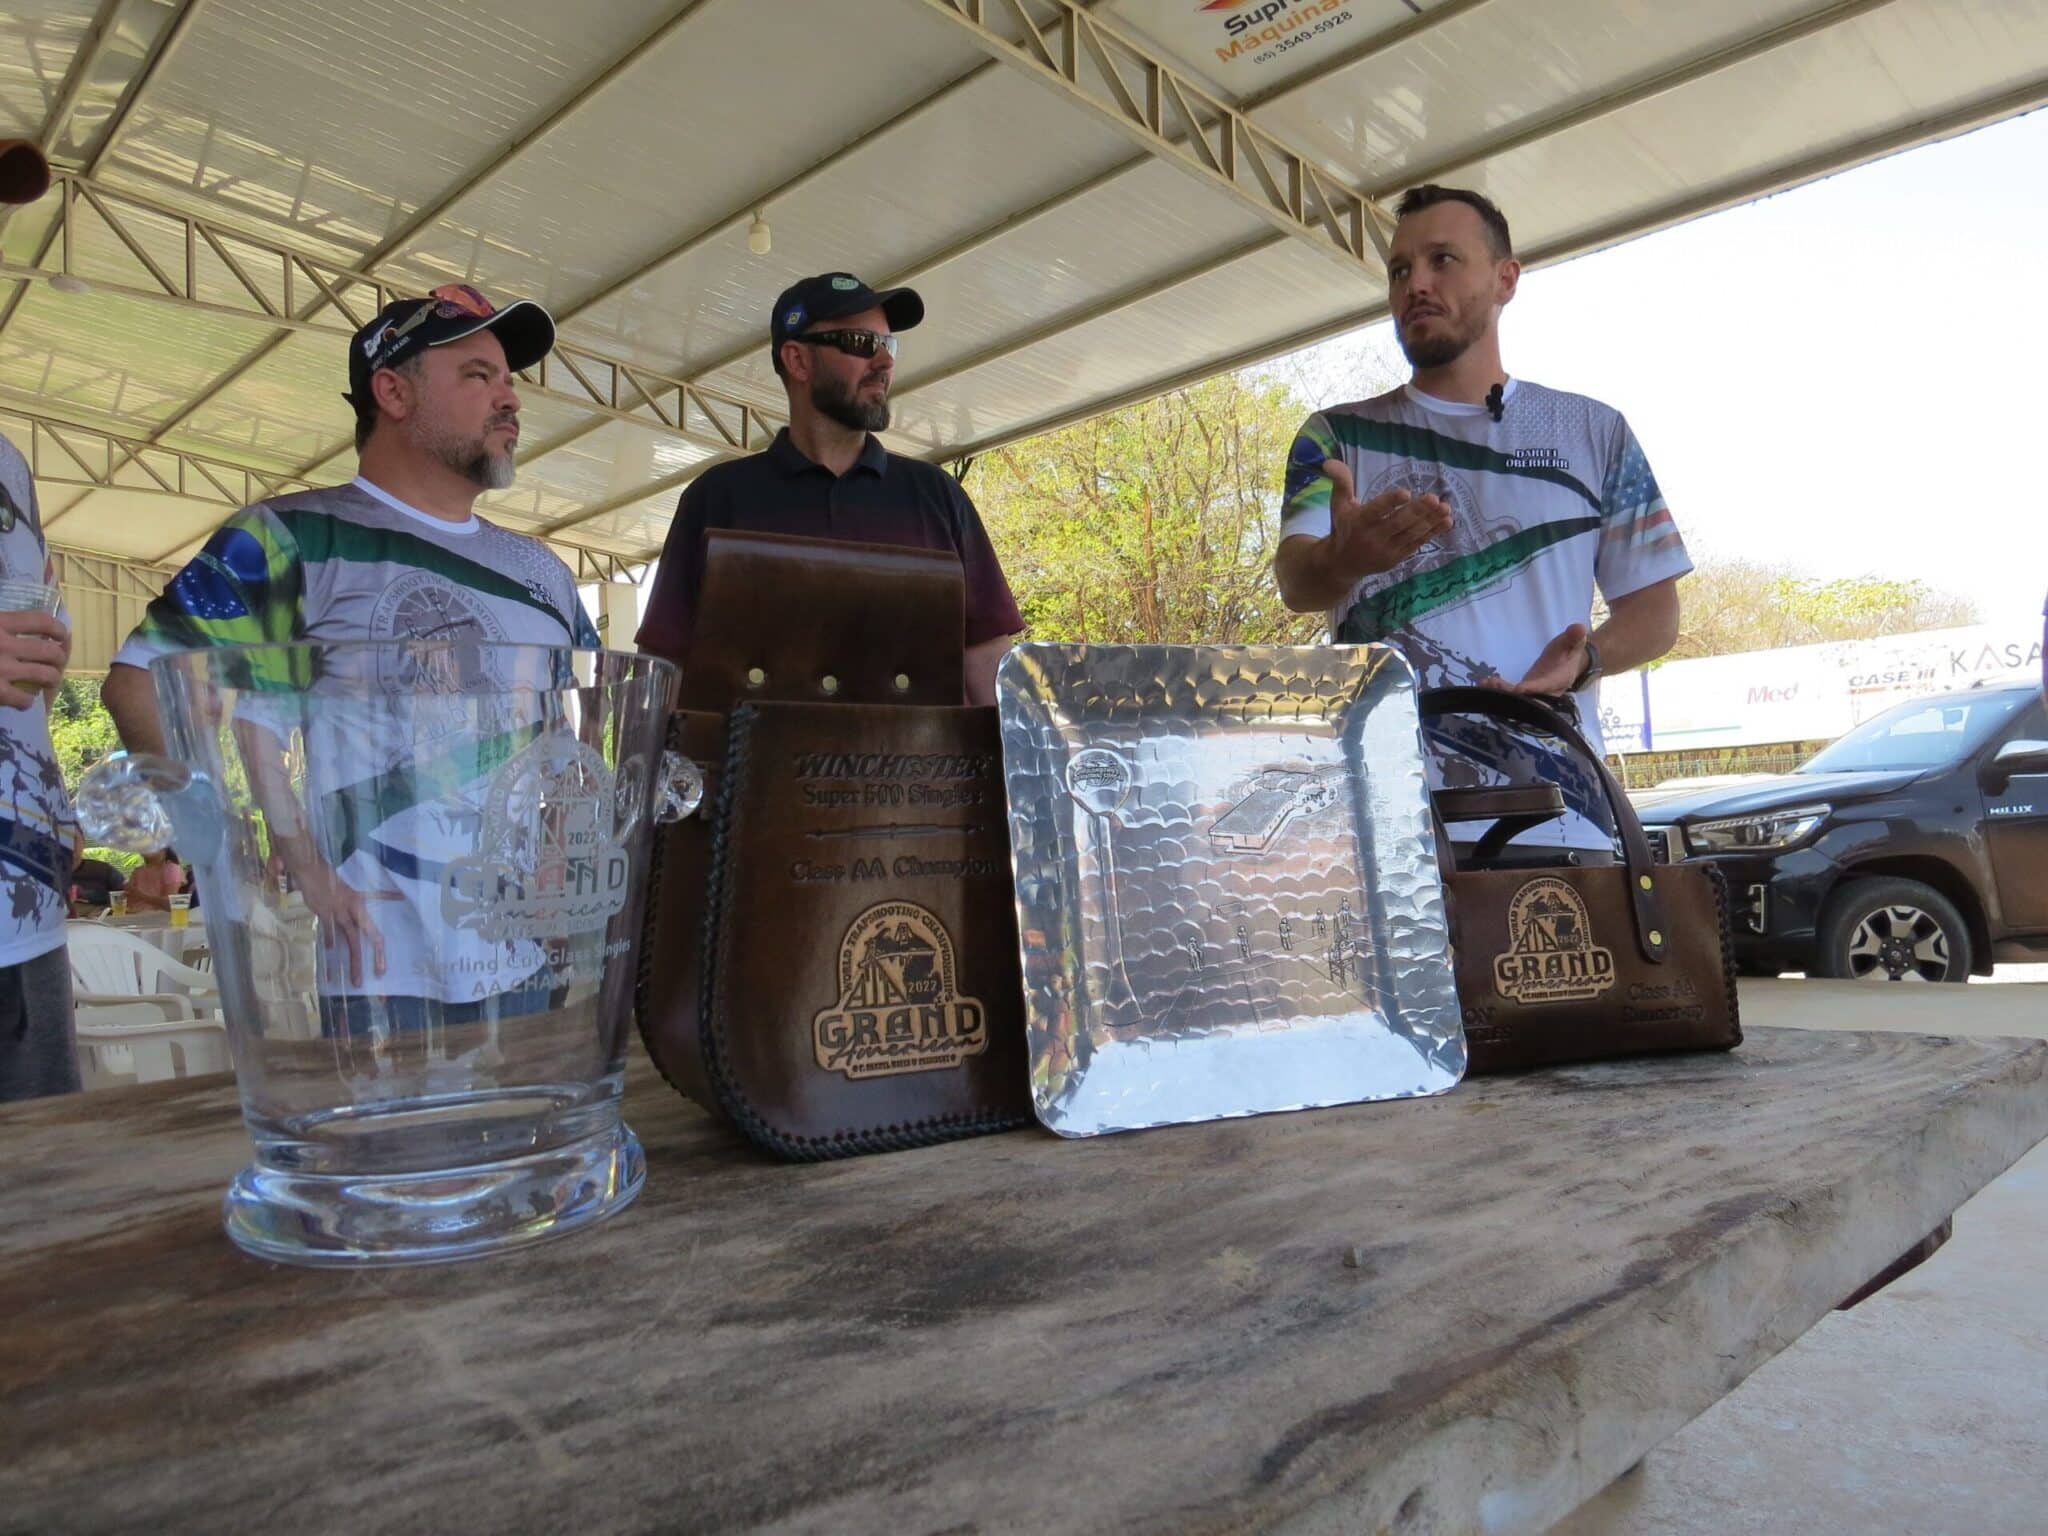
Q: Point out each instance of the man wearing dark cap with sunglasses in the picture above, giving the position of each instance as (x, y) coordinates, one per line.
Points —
(826, 476)
(396, 554)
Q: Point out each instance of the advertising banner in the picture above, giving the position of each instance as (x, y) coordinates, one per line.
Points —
(1808, 692)
(1241, 46)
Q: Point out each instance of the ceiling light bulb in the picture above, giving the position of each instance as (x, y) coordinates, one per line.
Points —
(759, 239)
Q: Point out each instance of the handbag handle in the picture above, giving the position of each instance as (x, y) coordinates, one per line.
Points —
(1513, 809)
(1653, 937)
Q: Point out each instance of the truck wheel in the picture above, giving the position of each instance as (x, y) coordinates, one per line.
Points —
(1893, 930)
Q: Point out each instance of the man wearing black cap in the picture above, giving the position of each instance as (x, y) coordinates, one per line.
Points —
(398, 553)
(827, 476)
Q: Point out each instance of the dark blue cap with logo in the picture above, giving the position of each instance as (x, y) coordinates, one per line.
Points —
(404, 328)
(834, 296)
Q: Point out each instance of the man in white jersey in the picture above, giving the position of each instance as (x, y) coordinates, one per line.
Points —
(1466, 517)
(37, 1056)
(397, 554)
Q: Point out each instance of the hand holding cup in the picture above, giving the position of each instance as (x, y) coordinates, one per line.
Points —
(35, 645)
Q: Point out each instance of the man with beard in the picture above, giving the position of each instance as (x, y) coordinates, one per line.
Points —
(396, 554)
(826, 476)
(1466, 517)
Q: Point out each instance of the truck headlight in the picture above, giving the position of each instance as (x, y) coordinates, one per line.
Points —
(1766, 831)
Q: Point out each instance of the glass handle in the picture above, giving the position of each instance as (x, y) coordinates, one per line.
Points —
(137, 801)
(680, 790)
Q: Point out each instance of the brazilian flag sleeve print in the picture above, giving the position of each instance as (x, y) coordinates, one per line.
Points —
(242, 588)
(1305, 488)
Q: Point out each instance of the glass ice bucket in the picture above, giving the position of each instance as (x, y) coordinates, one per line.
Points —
(420, 869)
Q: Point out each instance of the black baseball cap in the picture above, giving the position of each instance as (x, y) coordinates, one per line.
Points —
(404, 328)
(834, 296)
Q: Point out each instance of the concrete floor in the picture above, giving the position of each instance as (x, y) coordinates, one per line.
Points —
(1923, 1410)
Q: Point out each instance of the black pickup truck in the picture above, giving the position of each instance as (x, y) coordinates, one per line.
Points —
(1913, 849)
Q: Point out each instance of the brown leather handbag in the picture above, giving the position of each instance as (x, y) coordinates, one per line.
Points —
(829, 959)
(1570, 961)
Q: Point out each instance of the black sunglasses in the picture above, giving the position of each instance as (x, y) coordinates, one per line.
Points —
(857, 343)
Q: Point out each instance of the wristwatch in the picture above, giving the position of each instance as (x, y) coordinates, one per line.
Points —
(1589, 674)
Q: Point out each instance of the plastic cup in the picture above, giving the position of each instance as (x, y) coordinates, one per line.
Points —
(117, 903)
(20, 595)
(181, 910)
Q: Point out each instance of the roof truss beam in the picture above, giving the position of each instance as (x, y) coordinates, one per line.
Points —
(2025, 98)
(84, 65)
(87, 571)
(762, 201)
(427, 215)
(1177, 122)
(1437, 16)
(1009, 223)
(228, 272)
(68, 454)
(64, 453)
(172, 33)
(723, 426)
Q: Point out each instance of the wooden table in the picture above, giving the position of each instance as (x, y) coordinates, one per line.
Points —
(1454, 1314)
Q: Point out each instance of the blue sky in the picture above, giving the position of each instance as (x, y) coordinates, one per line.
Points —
(1850, 377)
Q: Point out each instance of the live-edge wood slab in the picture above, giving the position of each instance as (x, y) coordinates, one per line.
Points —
(1157, 1332)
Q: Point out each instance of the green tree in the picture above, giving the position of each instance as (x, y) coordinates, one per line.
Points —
(1151, 524)
(81, 730)
(1727, 606)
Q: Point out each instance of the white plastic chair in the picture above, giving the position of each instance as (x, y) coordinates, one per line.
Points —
(110, 966)
(135, 1042)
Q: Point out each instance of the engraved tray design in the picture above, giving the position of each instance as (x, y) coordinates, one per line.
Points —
(1227, 889)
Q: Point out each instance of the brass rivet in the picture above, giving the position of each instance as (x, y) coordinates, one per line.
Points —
(1647, 882)
(829, 683)
(1656, 938)
(756, 677)
(903, 682)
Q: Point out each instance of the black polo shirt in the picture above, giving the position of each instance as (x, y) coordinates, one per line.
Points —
(883, 499)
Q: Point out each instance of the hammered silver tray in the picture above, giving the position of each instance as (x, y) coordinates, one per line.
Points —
(1227, 889)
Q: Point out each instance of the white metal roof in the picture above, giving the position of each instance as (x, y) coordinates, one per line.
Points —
(243, 180)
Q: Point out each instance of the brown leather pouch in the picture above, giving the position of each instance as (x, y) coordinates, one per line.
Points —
(862, 992)
(796, 620)
(1567, 962)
